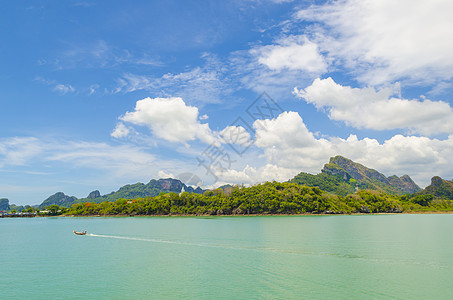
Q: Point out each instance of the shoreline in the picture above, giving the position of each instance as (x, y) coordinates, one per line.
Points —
(265, 215)
(237, 215)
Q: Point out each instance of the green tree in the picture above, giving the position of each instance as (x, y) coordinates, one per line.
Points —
(53, 209)
(29, 209)
(423, 200)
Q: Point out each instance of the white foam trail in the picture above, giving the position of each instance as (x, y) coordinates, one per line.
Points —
(184, 243)
(146, 240)
(274, 250)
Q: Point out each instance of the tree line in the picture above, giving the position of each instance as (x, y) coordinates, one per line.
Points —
(267, 198)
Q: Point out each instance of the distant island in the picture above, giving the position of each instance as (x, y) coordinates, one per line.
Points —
(130, 191)
(342, 187)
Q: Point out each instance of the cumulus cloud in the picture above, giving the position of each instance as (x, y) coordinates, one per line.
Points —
(287, 142)
(292, 53)
(164, 174)
(170, 119)
(120, 131)
(386, 40)
(251, 175)
(276, 68)
(236, 135)
(368, 108)
(289, 148)
(419, 157)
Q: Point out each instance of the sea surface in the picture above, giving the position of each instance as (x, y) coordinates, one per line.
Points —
(278, 257)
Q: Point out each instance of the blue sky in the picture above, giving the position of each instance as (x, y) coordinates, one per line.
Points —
(98, 94)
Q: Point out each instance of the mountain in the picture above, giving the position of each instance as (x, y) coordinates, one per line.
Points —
(140, 190)
(342, 176)
(130, 191)
(4, 204)
(94, 195)
(440, 188)
(60, 199)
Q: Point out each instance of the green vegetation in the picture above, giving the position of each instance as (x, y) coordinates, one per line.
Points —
(342, 187)
(267, 198)
(59, 199)
(439, 188)
(334, 184)
(15, 207)
(130, 191)
(342, 176)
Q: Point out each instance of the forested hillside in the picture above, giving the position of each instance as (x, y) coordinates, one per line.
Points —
(342, 176)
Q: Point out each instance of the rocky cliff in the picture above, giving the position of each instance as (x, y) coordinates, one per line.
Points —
(59, 199)
(440, 188)
(130, 191)
(151, 189)
(94, 195)
(375, 179)
(342, 176)
(4, 204)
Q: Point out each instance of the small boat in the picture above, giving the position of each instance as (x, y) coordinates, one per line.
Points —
(80, 233)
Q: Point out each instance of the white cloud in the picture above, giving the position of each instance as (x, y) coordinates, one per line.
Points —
(272, 68)
(252, 175)
(441, 88)
(163, 174)
(289, 148)
(63, 88)
(120, 160)
(236, 135)
(170, 119)
(75, 167)
(419, 157)
(278, 67)
(287, 142)
(92, 89)
(386, 40)
(101, 54)
(368, 108)
(36, 155)
(132, 82)
(120, 131)
(292, 53)
(257, 77)
(205, 84)
(18, 151)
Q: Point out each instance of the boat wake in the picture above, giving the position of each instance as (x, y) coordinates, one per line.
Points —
(302, 252)
(143, 239)
(224, 246)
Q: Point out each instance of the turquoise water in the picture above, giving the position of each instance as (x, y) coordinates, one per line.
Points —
(288, 257)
